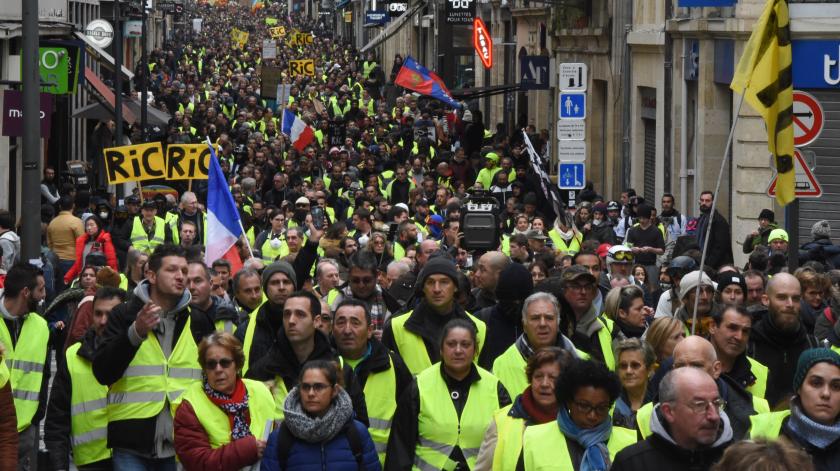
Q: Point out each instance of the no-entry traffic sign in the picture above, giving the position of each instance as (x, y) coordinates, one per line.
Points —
(808, 118)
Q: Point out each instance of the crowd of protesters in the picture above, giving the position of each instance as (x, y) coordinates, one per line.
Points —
(368, 329)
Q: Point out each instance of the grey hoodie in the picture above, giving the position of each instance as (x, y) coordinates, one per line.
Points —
(657, 427)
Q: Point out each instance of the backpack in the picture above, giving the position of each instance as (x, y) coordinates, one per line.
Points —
(285, 440)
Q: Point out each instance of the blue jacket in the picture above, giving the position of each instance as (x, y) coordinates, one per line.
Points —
(334, 455)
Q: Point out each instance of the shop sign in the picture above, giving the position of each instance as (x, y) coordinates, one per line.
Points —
(13, 113)
(460, 12)
(483, 43)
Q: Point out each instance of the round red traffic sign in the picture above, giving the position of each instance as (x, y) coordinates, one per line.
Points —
(808, 118)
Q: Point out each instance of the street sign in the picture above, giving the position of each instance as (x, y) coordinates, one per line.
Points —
(572, 151)
(269, 49)
(572, 105)
(533, 73)
(99, 32)
(571, 175)
(571, 130)
(808, 118)
(376, 17)
(572, 77)
(807, 185)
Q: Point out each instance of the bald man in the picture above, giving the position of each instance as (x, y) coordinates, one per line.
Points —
(487, 277)
(778, 338)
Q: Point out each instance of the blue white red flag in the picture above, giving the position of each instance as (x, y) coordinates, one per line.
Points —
(299, 132)
(223, 225)
(417, 78)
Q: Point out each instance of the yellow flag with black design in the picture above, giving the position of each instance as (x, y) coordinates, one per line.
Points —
(765, 78)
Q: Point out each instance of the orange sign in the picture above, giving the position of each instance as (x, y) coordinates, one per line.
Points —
(483, 43)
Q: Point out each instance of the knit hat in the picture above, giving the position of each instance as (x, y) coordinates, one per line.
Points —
(767, 214)
(437, 265)
(278, 267)
(808, 359)
(600, 208)
(821, 229)
(690, 281)
(731, 278)
(776, 234)
(515, 283)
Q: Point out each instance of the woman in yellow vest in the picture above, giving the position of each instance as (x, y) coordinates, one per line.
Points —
(223, 421)
(634, 365)
(271, 243)
(442, 417)
(583, 437)
(536, 405)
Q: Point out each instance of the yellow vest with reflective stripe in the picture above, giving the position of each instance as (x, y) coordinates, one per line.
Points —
(88, 411)
(412, 349)
(280, 392)
(560, 245)
(509, 431)
(767, 425)
(381, 401)
(225, 325)
(367, 68)
(151, 380)
(509, 367)
(141, 241)
(26, 365)
(544, 446)
(645, 412)
(216, 422)
(438, 425)
(172, 221)
(270, 254)
(399, 251)
(760, 372)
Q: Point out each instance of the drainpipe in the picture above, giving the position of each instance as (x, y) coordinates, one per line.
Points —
(626, 70)
(667, 105)
(684, 197)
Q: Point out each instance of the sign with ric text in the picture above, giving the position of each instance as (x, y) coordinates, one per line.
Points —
(187, 161)
(460, 12)
(134, 163)
(277, 32)
(13, 113)
(483, 43)
(300, 38)
(302, 67)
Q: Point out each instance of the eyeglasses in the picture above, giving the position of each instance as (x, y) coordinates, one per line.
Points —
(224, 362)
(317, 387)
(362, 280)
(700, 406)
(579, 287)
(587, 409)
(620, 256)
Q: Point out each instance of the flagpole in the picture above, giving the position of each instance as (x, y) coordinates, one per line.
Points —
(245, 238)
(714, 205)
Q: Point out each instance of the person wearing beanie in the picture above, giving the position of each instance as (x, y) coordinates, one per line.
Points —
(646, 240)
(820, 249)
(766, 224)
(813, 420)
(504, 319)
(415, 335)
(732, 288)
(705, 306)
(779, 241)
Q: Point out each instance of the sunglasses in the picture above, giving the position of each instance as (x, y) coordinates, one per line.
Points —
(621, 256)
(365, 280)
(224, 362)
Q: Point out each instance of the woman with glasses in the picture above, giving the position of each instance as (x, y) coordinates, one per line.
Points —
(272, 242)
(95, 239)
(223, 421)
(319, 431)
(583, 437)
(442, 417)
(634, 366)
(379, 247)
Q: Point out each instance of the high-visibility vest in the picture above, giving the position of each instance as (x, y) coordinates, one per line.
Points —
(140, 241)
(381, 400)
(270, 254)
(4, 373)
(509, 367)
(216, 422)
(367, 68)
(412, 349)
(506, 244)
(560, 245)
(26, 365)
(509, 431)
(605, 341)
(767, 425)
(759, 388)
(88, 411)
(225, 325)
(151, 379)
(248, 341)
(544, 446)
(172, 221)
(643, 415)
(440, 429)
(399, 251)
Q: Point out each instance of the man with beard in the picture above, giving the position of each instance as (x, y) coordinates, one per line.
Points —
(406, 238)
(720, 238)
(705, 304)
(779, 338)
(672, 219)
(490, 265)
(504, 320)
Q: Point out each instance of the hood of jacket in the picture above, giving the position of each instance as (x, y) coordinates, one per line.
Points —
(657, 427)
(141, 292)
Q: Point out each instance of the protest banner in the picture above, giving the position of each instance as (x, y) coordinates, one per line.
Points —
(302, 67)
(187, 161)
(134, 163)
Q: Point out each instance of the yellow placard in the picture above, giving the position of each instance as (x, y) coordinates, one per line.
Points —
(134, 163)
(298, 38)
(302, 67)
(187, 161)
(270, 21)
(277, 32)
(239, 38)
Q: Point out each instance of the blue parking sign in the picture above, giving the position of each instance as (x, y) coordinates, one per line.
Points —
(572, 105)
(571, 175)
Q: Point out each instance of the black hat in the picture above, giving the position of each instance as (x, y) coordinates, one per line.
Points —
(132, 200)
(644, 210)
(515, 283)
(731, 278)
(147, 203)
(438, 265)
(767, 214)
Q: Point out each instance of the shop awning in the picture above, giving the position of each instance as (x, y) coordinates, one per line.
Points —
(107, 94)
(103, 57)
(393, 27)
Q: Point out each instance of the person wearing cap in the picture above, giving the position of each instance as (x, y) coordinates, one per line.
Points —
(148, 231)
(731, 288)
(491, 168)
(779, 337)
(705, 301)
(421, 217)
(813, 420)
(536, 241)
(729, 333)
(647, 241)
(589, 331)
(670, 300)
(415, 334)
(766, 224)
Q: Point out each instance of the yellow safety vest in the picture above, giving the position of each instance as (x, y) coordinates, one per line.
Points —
(249, 337)
(172, 221)
(605, 341)
(560, 245)
(506, 244)
(26, 365)
(412, 349)
(759, 388)
(643, 415)
(367, 68)
(509, 431)
(767, 425)
(270, 254)
(217, 423)
(399, 251)
(509, 367)
(381, 400)
(440, 429)
(151, 380)
(4, 373)
(141, 241)
(225, 325)
(544, 446)
(88, 411)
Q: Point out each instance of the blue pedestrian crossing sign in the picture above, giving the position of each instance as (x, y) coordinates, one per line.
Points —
(571, 175)
(572, 105)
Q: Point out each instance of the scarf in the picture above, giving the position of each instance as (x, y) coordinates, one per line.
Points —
(317, 429)
(235, 405)
(596, 457)
(628, 330)
(537, 414)
(807, 431)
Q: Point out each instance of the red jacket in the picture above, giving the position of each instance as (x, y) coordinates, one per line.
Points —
(104, 238)
(193, 447)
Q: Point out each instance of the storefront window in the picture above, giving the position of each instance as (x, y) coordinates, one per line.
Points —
(464, 71)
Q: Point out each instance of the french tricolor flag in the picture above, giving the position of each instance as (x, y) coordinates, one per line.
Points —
(223, 225)
(300, 132)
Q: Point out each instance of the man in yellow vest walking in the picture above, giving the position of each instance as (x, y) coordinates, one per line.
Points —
(25, 336)
(148, 356)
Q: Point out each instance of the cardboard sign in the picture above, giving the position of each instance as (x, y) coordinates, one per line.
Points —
(300, 39)
(277, 32)
(239, 38)
(270, 78)
(302, 67)
(187, 161)
(135, 163)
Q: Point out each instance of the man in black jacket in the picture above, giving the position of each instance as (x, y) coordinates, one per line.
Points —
(149, 325)
(58, 426)
(504, 320)
(690, 430)
(720, 238)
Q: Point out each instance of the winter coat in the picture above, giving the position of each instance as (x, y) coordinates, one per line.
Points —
(820, 250)
(824, 459)
(335, 455)
(751, 242)
(503, 328)
(8, 428)
(193, 446)
(720, 241)
(104, 240)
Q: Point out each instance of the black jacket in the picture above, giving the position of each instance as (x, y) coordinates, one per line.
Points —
(426, 323)
(112, 357)
(720, 241)
(504, 325)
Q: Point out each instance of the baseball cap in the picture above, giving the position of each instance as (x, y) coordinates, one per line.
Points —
(132, 200)
(535, 235)
(576, 272)
(603, 249)
(148, 204)
(302, 200)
